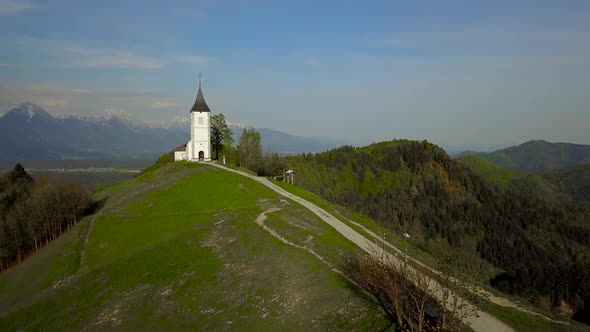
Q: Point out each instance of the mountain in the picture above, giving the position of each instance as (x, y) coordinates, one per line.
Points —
(29, 132)
(537, 156)
(185, 247)
(526, 235)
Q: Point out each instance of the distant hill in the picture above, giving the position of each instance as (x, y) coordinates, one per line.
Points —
(29, 132)
(537, 156)
(184, 247)
(287, 144)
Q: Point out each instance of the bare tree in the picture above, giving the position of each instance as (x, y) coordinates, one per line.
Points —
(415, 300)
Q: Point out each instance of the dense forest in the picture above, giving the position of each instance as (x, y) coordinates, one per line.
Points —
(34, 212)
(539, 245)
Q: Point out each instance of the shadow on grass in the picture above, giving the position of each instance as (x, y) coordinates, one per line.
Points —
(94, 206)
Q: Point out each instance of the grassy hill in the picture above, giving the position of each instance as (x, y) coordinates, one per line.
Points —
(182, 247)
(537, 156)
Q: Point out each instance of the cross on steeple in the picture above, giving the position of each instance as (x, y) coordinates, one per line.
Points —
(199, 80)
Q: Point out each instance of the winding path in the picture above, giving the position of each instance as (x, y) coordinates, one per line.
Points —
(482, 322)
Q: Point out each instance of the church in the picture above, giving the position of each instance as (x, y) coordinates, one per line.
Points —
(199, 147)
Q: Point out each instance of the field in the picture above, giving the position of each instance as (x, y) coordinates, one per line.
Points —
(189, 247)
(92, 173)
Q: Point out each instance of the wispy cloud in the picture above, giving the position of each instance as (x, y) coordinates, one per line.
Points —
(55, 103)
(56, 98)
(55, 89)
(163, 104)
(16, 6)
(107, 58)
(199, 60)
(67, 54)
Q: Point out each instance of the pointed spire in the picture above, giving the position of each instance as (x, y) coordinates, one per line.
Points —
(200, 104)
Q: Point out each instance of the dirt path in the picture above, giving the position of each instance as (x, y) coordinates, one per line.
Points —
(260, 222)
(481, 322)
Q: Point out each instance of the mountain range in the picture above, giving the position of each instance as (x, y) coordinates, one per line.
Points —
(30, 132)
(536, 156)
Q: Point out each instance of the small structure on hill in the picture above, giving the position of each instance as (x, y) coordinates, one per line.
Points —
(289, 176)
(199, 147)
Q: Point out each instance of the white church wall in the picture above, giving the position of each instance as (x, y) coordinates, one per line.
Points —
(201, 135)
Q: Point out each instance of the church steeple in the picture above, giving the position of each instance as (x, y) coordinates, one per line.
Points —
(200, 104)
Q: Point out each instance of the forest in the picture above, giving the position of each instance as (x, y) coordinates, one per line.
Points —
(538, 245)
(35, 212)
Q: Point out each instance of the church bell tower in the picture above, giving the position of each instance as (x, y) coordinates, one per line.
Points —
(199, 147)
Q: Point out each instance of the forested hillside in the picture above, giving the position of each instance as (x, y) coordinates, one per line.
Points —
(575, 181)
(34, 212)
(538, 242)
(537, 156)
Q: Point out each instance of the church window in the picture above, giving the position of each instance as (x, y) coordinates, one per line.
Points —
(200, 120)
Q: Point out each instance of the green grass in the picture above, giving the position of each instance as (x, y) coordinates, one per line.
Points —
(25, 282)
(177, 249)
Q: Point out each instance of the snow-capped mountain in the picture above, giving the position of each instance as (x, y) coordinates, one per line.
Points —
(29, 132)
(27, 112)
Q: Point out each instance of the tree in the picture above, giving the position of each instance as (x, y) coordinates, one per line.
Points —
(220, 133)
(249, 150)
(19, 173)
(33, 212)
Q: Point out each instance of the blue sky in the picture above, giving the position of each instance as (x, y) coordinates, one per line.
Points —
(463, 74)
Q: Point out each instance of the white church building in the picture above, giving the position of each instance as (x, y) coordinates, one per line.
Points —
(199, 147)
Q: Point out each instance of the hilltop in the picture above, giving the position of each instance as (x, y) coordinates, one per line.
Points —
(187, 245)
(537, 156)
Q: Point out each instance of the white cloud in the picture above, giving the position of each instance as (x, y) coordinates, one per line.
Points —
(163, 104)
(64, 54)
(199, 60)
(15, 6)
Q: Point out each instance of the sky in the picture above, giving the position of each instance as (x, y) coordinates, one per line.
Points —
(462, 74)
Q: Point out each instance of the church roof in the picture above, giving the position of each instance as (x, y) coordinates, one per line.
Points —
(200, 104)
